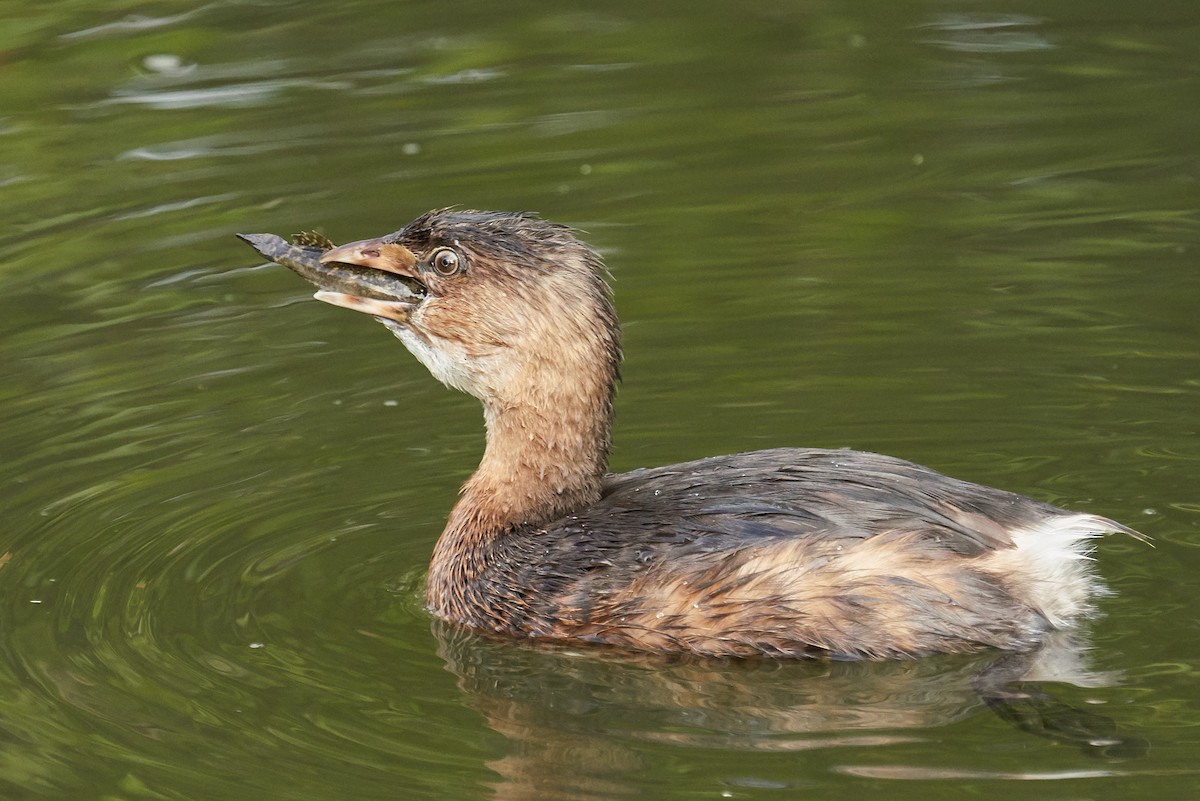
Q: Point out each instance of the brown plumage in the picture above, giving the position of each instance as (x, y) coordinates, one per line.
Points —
(788, 552)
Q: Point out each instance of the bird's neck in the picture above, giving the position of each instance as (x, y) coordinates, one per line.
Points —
(541, 462)
(546, 456)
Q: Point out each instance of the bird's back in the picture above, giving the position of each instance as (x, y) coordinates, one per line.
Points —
(794, 552)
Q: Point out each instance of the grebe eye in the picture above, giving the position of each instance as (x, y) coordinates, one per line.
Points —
(446, 261)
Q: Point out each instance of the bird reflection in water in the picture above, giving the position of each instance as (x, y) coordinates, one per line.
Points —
(572, 719)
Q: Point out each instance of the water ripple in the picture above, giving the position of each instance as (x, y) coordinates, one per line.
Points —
(250, 93)
(134, 23)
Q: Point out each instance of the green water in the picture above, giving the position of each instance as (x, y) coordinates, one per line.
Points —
(957, 232)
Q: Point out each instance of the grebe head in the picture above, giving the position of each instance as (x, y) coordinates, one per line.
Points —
(499, 305)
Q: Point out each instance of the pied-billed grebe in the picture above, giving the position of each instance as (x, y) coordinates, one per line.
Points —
(786, 552)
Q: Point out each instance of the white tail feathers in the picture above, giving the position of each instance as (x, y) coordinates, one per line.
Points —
(1048, 567)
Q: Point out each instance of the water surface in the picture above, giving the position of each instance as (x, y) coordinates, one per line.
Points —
(963, 234)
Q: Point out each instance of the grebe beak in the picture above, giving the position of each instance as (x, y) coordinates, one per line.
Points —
(376, 254)
(395, 310)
